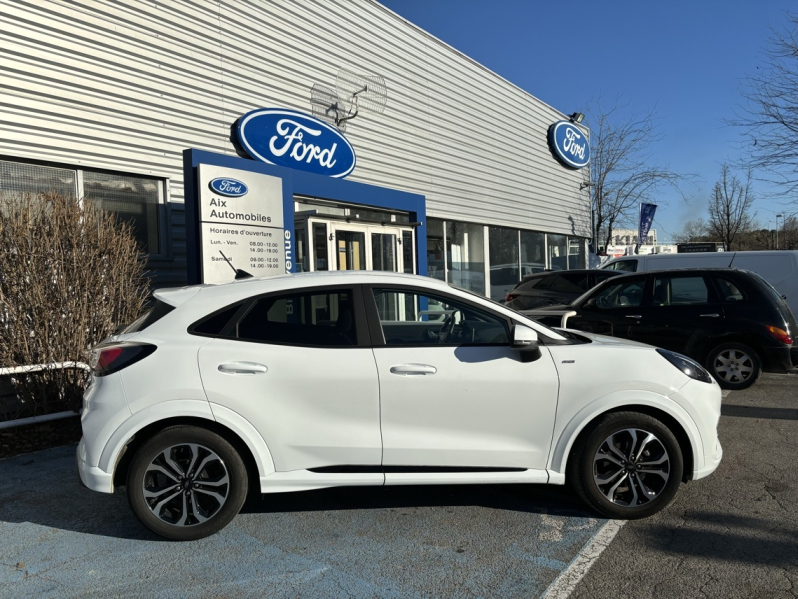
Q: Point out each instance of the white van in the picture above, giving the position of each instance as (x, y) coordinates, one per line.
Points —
(779, 268)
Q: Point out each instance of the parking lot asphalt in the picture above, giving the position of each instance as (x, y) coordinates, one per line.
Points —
(734, 534)
(58, 539)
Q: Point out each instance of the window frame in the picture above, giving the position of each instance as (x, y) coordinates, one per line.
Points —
(377, 337)
(165, 251)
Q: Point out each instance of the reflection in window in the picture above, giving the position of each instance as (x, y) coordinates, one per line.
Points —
(557, 249)
(435, 249)
(407, 252)
(22, 178)
(684, 291)
(383, 251)
(466, 256)
(320, 246)
(503, 253)
(621, 295)
(533, 253)
(316, 318)
(133, 199)
(577, 256)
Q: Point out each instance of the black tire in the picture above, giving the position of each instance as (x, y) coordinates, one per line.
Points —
(628, 500)
(734, 365)
(203, 501)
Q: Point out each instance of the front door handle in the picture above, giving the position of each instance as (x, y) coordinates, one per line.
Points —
(242, 368)
(413, 369)
(711, 315)
(637, 316)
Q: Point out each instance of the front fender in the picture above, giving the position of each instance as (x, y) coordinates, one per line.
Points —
(564, 441)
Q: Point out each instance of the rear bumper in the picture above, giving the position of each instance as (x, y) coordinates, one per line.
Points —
(780, 359)
(91, 476)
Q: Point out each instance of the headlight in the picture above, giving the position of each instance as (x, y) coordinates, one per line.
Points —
(687, 365)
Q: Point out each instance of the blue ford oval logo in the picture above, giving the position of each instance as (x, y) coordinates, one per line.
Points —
(296, 140)
(225, 186)
(570, 144)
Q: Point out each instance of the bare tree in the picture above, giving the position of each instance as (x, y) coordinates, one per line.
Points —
(621, 169)
(729, 207)
(771, 122)
(693, 230)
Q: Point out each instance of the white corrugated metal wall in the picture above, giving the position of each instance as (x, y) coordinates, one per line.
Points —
(127, 85)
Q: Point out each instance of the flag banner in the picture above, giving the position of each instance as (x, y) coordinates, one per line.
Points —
(646, 218)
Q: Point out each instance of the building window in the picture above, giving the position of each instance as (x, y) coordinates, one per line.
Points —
(504, 267)
(465, 256)
(134, 199)
(436, 248)
(557, 250)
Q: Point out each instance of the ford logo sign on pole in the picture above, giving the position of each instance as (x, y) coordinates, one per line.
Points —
(295, 140)
(231, 188)
(570, 144)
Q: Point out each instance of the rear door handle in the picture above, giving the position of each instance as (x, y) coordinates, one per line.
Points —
(413, 369)
(638, 316)
(242, 368)
(711, 315)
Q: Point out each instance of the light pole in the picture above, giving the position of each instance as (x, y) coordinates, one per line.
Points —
(778, 216)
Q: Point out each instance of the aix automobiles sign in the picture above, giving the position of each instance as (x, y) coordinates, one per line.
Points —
(569, 144)
(296, 140)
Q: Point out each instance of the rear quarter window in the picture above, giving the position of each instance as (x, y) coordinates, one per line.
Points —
(150, 317)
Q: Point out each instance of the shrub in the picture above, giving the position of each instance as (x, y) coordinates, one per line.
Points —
(70, 275)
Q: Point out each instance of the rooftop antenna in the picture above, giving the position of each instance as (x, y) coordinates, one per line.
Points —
(353, 93)
(240, 274)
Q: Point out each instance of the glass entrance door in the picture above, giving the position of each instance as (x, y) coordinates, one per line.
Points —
(350, 247)
(336, 245)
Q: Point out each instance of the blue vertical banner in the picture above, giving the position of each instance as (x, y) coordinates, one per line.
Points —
(646, 218)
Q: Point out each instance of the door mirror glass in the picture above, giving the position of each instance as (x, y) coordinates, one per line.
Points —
(590, 304)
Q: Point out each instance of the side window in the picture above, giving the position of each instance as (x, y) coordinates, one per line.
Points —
(314, 318)
(570, 283)
(680, 291)
(214, 324)
(628, 294)
(409, 318)
(729, 291)
(624, 265)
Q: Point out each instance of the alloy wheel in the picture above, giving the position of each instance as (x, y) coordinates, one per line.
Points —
(186, 484)
(631, 467)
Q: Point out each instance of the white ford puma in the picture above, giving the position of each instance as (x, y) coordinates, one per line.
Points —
(366, 378)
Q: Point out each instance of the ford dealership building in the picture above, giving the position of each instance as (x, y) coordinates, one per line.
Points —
(289, 135)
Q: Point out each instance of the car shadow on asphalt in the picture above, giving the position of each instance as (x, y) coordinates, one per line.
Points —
(738, 411)
(720, 536)
(43, 488)
(540, 499)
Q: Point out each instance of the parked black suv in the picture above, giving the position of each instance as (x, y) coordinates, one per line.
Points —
(731, 320)
(550, 288)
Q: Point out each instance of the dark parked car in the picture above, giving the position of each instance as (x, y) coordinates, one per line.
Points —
(550, 288)
(731, 320)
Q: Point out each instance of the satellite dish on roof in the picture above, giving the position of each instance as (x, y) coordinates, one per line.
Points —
(353, 93)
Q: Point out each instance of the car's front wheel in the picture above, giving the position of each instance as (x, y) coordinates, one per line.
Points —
(734, 365)
(628, 466)
(186, 483)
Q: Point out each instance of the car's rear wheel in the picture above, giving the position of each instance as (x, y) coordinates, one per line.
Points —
(628, 466)
(186, 483)
(734, 365)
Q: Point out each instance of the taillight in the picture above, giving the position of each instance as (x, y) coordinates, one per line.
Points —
(107, 359)
(510, 297)
(780, 334)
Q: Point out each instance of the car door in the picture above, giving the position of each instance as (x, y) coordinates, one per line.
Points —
(452, 391)
(616, 308)
(685, 311)
(298, 366)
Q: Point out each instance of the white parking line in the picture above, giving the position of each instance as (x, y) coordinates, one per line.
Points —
(566, 582)
(725, 393)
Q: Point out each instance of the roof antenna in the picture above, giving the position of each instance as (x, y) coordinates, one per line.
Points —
(240, 274)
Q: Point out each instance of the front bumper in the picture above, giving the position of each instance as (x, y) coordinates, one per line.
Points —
(92, 477)
(711, 462)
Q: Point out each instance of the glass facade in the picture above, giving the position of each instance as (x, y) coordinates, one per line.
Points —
(465, 256)
(510, 255)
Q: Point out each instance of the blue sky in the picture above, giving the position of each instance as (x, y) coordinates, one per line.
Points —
(685, 59)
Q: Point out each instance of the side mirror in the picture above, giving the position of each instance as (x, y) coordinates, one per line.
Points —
(525, 340)
(589, 304)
